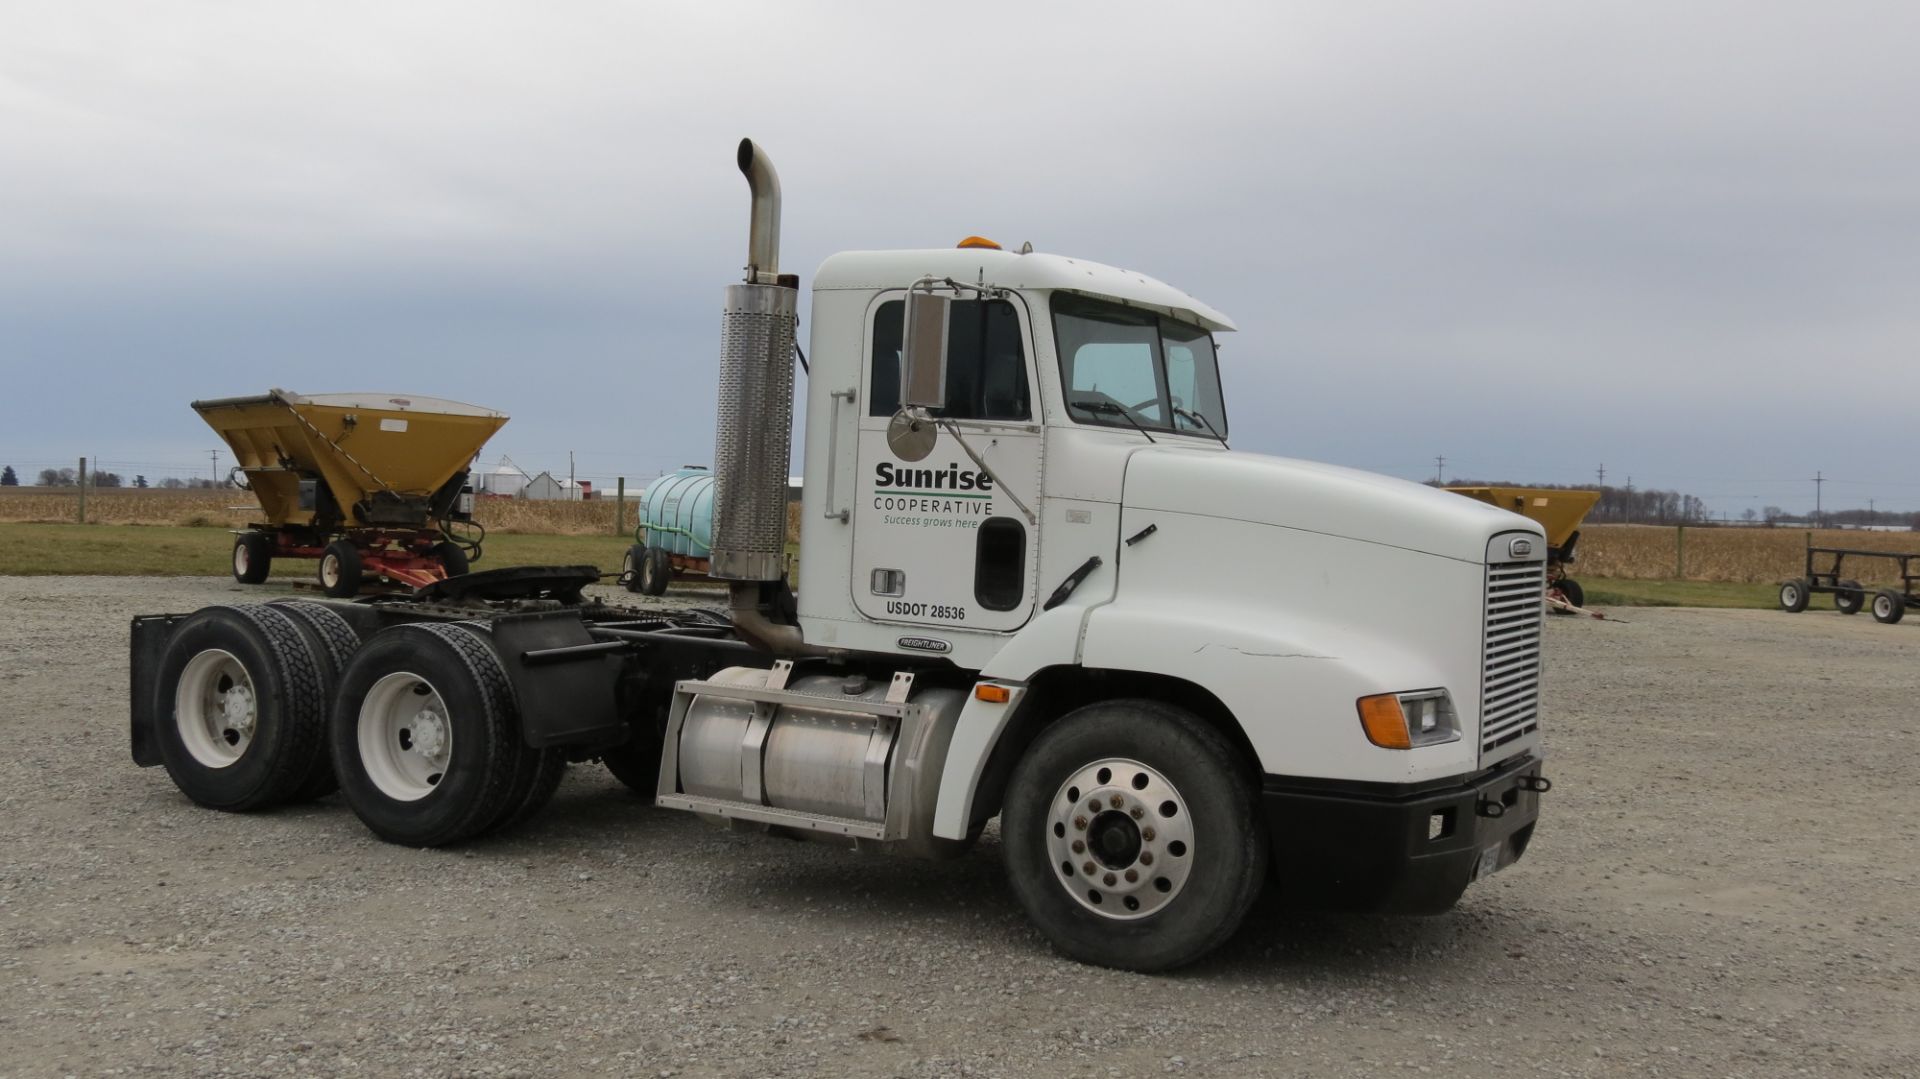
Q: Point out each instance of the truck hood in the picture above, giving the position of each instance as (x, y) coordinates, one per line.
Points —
(1327, 499)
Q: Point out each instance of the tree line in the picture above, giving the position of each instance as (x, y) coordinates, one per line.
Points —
(1635, 505)
(67, 477)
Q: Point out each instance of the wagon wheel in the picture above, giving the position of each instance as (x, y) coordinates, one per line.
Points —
(1571, 591)
(1889, 606)
(1794, 593)
(1850, 598)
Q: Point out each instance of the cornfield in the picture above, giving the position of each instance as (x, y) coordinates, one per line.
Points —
(234, 509)
(1740, 555)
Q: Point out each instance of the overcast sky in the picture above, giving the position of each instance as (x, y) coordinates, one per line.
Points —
(1533, 238)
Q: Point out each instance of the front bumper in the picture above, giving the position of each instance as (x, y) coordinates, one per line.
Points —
(1407, 850)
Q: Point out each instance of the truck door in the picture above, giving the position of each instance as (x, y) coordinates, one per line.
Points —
(940, 541)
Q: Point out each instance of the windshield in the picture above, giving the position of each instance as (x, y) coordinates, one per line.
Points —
(1122, 367)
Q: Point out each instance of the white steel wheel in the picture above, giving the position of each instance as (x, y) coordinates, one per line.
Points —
(215, 708)
(404, 736)
(242, 560)
(1122, 838)
(330, 571)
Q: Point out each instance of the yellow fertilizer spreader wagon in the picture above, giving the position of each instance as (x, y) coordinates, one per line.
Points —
(372, 485)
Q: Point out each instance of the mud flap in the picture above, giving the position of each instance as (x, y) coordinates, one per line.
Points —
(566, 698)
(146, 643)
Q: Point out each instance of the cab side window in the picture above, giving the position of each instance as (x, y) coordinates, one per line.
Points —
(986, 362)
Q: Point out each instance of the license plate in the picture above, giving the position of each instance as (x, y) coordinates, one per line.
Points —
(1489, 862)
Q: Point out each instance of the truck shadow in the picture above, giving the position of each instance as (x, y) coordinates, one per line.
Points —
(965, 904)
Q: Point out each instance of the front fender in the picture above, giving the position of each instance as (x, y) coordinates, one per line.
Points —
(1292, 688)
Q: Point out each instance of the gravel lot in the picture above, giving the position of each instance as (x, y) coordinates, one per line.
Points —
(1723, 884)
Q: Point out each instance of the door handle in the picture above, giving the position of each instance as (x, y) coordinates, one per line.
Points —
(833, 454)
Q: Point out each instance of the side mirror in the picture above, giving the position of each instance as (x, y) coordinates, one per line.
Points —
(923, 379)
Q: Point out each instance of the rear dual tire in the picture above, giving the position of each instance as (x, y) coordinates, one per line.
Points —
(240, 700)
(425, 739)
(332, 642)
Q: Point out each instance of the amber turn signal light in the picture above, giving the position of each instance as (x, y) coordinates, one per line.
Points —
(992, 694)
(1385, 721)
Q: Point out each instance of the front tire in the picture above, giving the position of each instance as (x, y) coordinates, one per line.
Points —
(425, 736)
(243, 707)
(252, 557)
(1133, 837)
(340, 569)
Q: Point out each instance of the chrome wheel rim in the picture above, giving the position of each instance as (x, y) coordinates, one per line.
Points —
(1120, 839)
(215, 708)
(405, 736)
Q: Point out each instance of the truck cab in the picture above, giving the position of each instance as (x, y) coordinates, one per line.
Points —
(1281, 591)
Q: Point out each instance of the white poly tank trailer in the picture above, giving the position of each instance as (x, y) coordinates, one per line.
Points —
(1035, 585)
(675, 533)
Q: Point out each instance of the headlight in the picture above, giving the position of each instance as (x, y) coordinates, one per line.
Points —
(1409, 720)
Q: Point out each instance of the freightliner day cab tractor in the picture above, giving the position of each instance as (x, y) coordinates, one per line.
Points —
(1034, 583)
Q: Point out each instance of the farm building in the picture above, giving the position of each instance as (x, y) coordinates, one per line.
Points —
(546, 487)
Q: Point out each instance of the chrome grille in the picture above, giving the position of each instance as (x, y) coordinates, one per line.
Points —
(1510, 654)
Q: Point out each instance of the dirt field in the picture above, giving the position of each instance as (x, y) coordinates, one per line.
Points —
(1723, 885)
(1744, 555)
(229, 508)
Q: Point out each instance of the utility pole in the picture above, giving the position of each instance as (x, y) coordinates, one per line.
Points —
(1600, 476)
(1870, 521)
(571, 482)
(1629, 499)
(1439, 470)
(1818, 479)
(216, 468)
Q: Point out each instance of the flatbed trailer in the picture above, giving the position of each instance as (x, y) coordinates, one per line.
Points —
(1826, 573)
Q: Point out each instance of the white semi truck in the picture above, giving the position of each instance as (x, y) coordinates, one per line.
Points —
(1034, 584)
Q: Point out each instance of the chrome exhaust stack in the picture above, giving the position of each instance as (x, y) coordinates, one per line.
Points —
(754, 428)
(763, 234)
